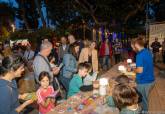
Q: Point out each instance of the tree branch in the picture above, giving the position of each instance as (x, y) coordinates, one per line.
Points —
(90, 11)
(139, 7)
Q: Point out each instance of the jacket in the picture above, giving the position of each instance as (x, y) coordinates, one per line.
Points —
(70, 66)
(84, 58)
(62, 52)
(40, 64)
(102, 50)
(8, 97)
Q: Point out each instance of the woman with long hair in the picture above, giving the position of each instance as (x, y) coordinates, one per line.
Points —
(89, 54)
(70, 65)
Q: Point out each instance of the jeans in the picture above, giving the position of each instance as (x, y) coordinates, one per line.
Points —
(106, 62)
(144, 90)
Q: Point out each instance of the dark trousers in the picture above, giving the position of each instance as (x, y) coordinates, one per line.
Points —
(163, 55)
(106, 62)
(156, 57)
(117, 58)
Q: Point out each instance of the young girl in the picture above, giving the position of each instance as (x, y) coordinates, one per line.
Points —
(126, 99)
(45, 94)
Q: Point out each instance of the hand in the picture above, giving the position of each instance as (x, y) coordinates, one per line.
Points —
(132, 84)
(48, 100)
(129, 69)
(56, 70)
(53, 100)
(23, 96)
(19, 71)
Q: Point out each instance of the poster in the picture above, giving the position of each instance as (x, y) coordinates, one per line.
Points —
(156, 30)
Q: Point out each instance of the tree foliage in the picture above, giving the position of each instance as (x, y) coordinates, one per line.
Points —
(114, 14)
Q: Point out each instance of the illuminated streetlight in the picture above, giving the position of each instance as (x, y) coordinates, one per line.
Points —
(13, 27)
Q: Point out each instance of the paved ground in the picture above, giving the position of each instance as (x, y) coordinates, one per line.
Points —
(157, 96)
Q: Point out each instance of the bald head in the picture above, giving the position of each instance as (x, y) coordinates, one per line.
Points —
(46, 48)
(45, 45)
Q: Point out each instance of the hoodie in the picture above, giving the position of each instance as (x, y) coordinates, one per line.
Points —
(8, 97)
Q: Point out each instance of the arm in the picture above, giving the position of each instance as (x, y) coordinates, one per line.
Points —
(21, 107)
(139, 65)
(95, 61)
(138, 70)
(66, 61)
(81, 56)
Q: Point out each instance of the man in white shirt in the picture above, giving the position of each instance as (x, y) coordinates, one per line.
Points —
(28, 54)
(63, 49)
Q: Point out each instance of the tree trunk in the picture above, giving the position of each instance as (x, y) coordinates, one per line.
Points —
(40, 13)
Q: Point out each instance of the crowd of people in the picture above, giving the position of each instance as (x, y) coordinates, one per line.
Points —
(66, 69)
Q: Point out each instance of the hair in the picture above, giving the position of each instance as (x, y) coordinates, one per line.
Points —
(96, 46)
(72, 49)
(82, 66)
(133, 41)
(140, 41)
(44, 74)
(73, 38)
(65, 37)
(87, 43)
(45, 45)
(7, 64)
(88, 66)
(124, 95)
(122, 79)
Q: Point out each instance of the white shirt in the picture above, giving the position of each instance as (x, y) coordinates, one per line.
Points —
(64, 47)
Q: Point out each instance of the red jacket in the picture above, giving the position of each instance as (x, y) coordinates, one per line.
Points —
(102, 50)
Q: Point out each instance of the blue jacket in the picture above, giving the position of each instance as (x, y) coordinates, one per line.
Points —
(8, 97)
(70, 66)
